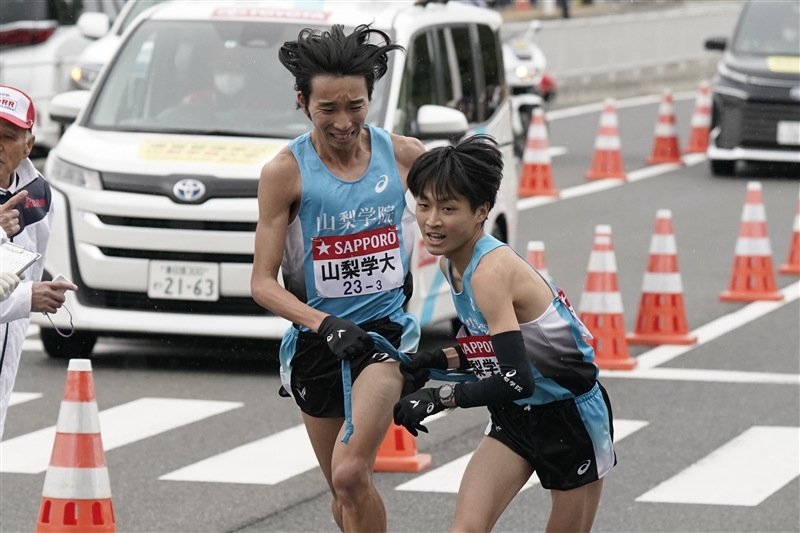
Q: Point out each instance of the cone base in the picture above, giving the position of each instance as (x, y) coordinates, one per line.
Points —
(695, 150)
(658, 340)
(658, 160)
(616, 364)
(88, 516)
(790, 270)
(523, 193)
(605, 175)
(742, 296)
(415, 463)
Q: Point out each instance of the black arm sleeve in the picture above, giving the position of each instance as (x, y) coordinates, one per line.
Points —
(514, 382)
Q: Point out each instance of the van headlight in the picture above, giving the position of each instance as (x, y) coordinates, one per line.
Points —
(524, 73)
(59, 171)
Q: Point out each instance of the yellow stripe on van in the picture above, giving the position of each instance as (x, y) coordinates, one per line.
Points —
(789, 64)
(222, 153)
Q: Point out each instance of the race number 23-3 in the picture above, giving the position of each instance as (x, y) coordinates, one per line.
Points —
(362, 263)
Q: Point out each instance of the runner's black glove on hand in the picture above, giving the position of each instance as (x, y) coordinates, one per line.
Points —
(345, 339)
(414, 408)
(416, 372)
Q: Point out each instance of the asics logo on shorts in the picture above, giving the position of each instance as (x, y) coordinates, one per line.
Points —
(381, 356)
(584, 467)
(302, 393)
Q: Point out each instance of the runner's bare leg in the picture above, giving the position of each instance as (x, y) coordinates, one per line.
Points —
(323, 434)
(574, 510)
(494, 475)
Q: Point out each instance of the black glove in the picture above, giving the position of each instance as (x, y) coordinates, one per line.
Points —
(414, 408)
(345, 339)
(416, 372)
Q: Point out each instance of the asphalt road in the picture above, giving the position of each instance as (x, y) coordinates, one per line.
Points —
(711, 443)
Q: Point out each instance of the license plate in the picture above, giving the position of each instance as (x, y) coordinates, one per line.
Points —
(174, 280)
(788, 132)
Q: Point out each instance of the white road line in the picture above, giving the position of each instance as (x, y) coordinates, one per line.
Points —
(602, 185)
(267, 461)
(745, 471)
(121, 425)
(33, 330)
(22, 397)
(556, 151)
(646, 363)
(447, 478)
(597, 107)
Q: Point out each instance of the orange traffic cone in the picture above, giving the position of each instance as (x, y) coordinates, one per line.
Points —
(601, 306)
(536, 258)
(398, 453)
(753, 277)
(607, 159)
(522, 5)
(792, 265)
(77, 492)
(701, 121)
(662, 318)
(665, 147)
(537, 173)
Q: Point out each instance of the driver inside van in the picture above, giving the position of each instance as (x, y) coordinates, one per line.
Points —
(228, 85)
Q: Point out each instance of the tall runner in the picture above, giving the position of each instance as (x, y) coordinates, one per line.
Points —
(522, 340)
(333, 217)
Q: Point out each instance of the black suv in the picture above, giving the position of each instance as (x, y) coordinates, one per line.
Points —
(756, 110)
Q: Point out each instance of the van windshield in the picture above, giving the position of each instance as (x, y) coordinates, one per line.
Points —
(769, 28)
(206, 77)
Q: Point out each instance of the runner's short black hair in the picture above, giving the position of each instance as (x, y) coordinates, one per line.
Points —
(472, 168)
(332, 53)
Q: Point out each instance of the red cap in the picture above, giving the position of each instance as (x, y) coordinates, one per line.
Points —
(16, 107)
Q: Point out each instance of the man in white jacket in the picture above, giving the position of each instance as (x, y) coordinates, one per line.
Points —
(34, 219)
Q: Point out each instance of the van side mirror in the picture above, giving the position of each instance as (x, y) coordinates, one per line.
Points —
(93, 25)
(436, 121)
(65, 107)
(716, 43)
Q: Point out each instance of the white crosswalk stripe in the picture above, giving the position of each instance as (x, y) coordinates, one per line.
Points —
(745, 471)
(120, 425)
(22, 397)
(447, 478)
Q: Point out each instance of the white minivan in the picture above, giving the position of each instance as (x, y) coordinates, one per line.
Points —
(155, 182)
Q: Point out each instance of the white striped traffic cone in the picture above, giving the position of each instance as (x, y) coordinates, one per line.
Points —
(537, 171)
(792, 265)
(665, 145)
(701, 121)
(607, 159)
(753, 276)
(662, 317)
(77, 492)
(601, 306)
(536, 258)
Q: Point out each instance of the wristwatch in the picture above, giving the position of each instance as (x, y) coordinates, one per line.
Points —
(447, 395)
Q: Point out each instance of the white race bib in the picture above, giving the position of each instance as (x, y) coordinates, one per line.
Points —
(362, 263)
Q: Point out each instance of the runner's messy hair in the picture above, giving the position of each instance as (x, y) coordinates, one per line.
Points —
(472, 168)
(332, 53)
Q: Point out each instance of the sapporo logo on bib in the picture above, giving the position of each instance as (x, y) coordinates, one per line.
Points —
(480, 354)
(363, 263)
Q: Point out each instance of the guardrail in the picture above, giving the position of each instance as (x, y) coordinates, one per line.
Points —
(584, 47)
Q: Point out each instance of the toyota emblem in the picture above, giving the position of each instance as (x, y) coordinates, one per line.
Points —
(189, 190)
(794, 92)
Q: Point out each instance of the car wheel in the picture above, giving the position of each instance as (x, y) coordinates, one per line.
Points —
(80, 344)
(723, 168)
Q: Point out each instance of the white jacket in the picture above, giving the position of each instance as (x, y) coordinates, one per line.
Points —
(36, 221)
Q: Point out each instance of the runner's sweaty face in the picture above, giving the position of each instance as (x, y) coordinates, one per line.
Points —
(448, 224)
(338, 108)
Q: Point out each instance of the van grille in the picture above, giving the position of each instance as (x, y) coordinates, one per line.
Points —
(177, 256)
(195, 225)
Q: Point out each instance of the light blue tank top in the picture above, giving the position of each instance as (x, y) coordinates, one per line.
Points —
(561, 360)
(347, 252)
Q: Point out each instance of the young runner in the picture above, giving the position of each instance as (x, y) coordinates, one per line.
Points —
(333, 215)
(522, 340)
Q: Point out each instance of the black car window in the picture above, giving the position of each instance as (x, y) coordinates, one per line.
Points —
(769, 28)
(492, 71)
(61, 11)
(419, 84)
